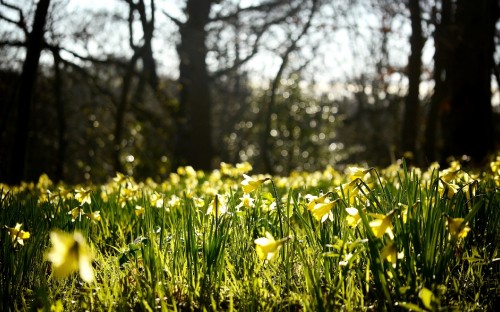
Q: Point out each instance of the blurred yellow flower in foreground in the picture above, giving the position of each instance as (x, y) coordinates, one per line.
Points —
(250, 184)
(267, 247)
(17, 235)
(457, 227)
(70, 253)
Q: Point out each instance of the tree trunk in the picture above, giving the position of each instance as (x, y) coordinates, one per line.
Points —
(194, 125)
(411, 114)
(62, 143)
(468, 125)
(440, 97)
(28, 80)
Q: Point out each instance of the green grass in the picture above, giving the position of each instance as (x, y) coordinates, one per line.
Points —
(175, 256)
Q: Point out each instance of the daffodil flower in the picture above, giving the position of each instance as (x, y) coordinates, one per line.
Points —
(246, 202)
(322, 211)
(120, 178)
(94, 215)
(76, 213)
(267, 247)
(69, 254)
(457, 227)
(250, 184)
(357, 173)
(351, 189)
(156, 200)
(217, 206)
(313, 200)
(448, 189)
(17, 235)
(352, 217)
(139, 210)
(83, 196)
(390, 253)
(383, 224)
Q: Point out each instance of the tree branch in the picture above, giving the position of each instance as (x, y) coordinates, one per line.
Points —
(266, 6)
(21, 22)
(173, 19)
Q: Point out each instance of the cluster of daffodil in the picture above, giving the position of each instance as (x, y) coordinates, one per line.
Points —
(322, 194)
(354, 190)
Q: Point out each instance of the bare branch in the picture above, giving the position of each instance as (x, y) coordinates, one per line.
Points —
(12, 43)
(173, 19)
(255, 48)
(265, 6)
(21, 22)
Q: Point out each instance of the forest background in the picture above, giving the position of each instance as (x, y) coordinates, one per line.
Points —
(90, 88)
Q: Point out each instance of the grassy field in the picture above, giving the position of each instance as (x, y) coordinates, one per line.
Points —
(395, 238)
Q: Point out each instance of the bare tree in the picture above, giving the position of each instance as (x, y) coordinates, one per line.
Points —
(441, 95)
(271, 102)
(411, 120)
(28, 80)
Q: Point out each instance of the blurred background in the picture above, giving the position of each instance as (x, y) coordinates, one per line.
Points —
(91, 88)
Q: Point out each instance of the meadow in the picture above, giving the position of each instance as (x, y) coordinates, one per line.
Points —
(359, 239)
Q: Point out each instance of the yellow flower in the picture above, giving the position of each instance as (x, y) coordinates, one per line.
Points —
(357, 173)
(17, 235)
(217, 207)
(156, 200)
(448, 189)
(322, 211)
(457, 227)
(120, 178)
(267, 247)
(94, 216)
(313, 200)
(70, 253)
(427, 298)
(139, 210)
(353, 216)
(44, 182)
(83, 196)
(250, 184)
(246, 201)
(404, 211)
(383, 224)
(351, 189)
(76, 213)
(390, 253)
(244, 167)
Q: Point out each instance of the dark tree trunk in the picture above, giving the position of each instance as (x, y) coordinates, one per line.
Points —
(28, 80)
(440, 97)
(468, 125)
(62, 143)
(411, 114)
(194, 125)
